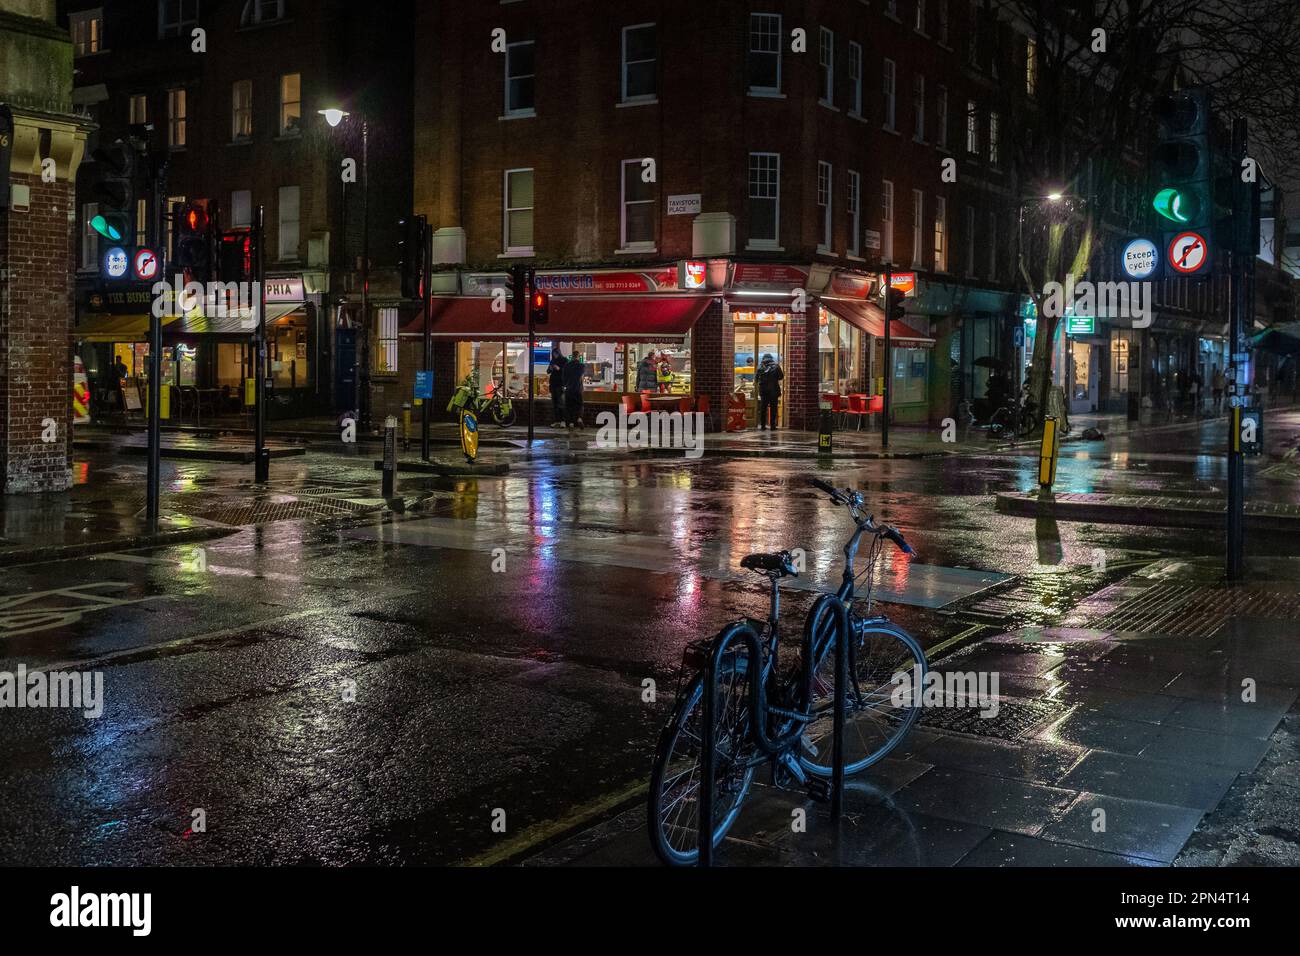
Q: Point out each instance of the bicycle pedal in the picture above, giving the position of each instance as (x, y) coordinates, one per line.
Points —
(819, 789)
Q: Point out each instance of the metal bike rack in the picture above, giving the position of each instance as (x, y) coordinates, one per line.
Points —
(744, 632)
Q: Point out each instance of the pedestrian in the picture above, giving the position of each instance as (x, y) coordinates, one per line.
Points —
(119, 384)
(770, 376)
(645, 374)
(574, 373)
(1194, 390)
(1216, 388)
(555, 376)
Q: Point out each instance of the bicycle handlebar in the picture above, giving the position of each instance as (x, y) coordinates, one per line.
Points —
(853, 499)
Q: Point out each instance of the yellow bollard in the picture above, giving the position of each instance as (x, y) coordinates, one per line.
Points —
(1048, 452)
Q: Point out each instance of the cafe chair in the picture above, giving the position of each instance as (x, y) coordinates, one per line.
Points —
(630, 404)
(857, 409)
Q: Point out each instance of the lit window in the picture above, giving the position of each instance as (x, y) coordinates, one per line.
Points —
(139, 109)
(940, 234)
(87, 29)
(386, 344)
(290, 103)
(1031, 66)
(177, 119)
(241, 110)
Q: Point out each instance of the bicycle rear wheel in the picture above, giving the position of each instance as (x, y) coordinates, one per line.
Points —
(673, 811)
(874, 725)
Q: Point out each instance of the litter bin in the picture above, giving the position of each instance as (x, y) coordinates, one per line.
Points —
(826, 432)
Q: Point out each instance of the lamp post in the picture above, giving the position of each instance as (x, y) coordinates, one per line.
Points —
(334, 116)
(1054, 197)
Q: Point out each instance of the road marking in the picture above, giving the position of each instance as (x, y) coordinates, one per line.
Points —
(541, 832)
(224, 632)
(33, 620)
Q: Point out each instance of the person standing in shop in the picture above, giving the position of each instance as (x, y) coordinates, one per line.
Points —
(770, 376)
(575, 371)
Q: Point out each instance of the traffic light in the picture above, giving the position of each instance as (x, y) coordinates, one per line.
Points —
(1182, 161)
(115, 192)
(540, 303)
(517, 286)
(235, 259)
(895, 306)
(410, 256)
(193, 239)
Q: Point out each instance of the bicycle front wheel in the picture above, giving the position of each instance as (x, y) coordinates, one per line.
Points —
(674, 811)
(874, 722)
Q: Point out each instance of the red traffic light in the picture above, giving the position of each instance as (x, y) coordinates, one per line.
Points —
(195, 219)
(539, 300)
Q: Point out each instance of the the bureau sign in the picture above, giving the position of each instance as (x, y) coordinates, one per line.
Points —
(284, 290)
(684, 205)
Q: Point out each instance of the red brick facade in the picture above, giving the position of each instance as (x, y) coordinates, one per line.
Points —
(36, 339)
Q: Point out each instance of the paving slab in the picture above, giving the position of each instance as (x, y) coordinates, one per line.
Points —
(1151, 831)
(1183, 784)
(1014, 849)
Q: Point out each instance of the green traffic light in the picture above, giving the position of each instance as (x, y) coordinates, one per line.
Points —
(1179, 206)
(106, 229)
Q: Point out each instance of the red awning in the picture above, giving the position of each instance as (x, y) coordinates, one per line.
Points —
(582, 318)
(870, 318)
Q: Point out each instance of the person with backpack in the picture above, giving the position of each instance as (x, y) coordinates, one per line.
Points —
(555, 377)
(575, 371)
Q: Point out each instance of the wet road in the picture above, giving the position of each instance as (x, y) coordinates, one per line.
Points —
(385, 690)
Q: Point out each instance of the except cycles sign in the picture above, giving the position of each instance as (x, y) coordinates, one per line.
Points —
(1141, 259)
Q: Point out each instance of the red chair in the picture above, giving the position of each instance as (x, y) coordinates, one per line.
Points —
(630, 404)
(857, 408)
(875, 406)
(841, 408)
(645, 404)
(684, 406)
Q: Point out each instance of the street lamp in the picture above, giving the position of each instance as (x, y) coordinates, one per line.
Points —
(334, 116)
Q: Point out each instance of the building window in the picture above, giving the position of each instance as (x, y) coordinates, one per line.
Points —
(521, 78)
(141, 222)
(764, 198)
(824, 204)
(855, 212)
(176, 119)
(241, 110)
(920, 16)
(289, 222)
(1031, 66)
(918, 240)
(174, 203)
(970, 240)
(765, 53)
(175, 16)
(855, 79)
(89, 237)
(290, 103)
(918, 108)
(261, 11)
(638, 219)
(941, 117)
(972, 129)
(138, 111)
(887, 91)
(386, 350)
(519, 212)
(640, 63)
(940, 234)
(826, 58)
(943, 22)
(87, 29)
(241, 209)
(973, 48)
(994, 157)
(991, 240)
(886, 221)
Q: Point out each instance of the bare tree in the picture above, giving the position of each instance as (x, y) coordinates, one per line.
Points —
(1076, 82)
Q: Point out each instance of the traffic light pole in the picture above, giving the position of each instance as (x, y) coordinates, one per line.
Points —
(532, 365)
(153, 470)
(1236, 539)
(261, 457)
(426, 413)
(889, 366)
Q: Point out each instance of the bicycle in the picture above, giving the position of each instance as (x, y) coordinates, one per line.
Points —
(497, 408)
(784, 721)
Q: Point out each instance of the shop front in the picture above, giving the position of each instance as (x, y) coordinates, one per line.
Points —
(631, 331)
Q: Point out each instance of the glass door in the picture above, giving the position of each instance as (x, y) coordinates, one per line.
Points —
(753, 342)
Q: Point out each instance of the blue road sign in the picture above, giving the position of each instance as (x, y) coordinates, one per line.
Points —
(424, 385)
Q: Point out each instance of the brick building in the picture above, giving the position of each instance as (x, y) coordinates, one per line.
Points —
(234, 109)
(41, 142)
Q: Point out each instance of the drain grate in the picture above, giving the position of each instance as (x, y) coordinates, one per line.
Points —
(268, 512)
(1015, 718)
(1193, 610)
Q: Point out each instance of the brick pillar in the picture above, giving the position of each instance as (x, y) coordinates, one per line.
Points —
(36, 310)
(712, 372)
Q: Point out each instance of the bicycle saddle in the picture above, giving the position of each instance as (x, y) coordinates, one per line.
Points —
(777, 563)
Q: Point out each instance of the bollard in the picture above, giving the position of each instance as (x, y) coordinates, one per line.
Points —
(1048, 452)
(826, 433)
(390, 454)
(406, 426)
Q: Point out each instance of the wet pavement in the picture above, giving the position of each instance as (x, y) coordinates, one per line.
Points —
(338, 680)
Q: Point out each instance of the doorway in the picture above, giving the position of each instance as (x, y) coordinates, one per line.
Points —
(753, 341)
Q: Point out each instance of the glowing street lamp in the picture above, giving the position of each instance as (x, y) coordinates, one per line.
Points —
(333, 116)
